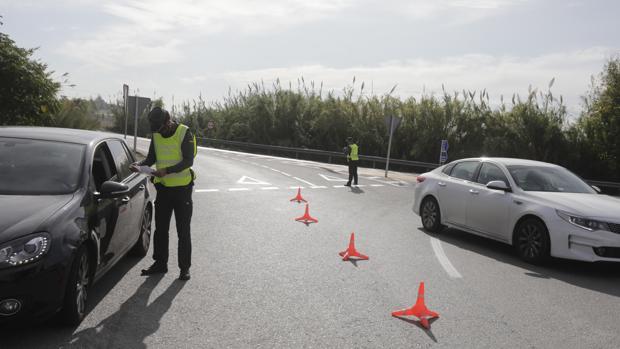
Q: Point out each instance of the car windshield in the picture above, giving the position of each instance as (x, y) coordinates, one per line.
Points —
(550, 179)
(37, 167)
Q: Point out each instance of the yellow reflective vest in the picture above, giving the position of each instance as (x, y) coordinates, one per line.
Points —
(168, 153)
(353, 155)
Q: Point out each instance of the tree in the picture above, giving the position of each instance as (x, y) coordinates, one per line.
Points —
(600, 122)
(27, 91)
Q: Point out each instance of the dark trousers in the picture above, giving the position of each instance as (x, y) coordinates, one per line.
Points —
(353, 171)
(179, 201)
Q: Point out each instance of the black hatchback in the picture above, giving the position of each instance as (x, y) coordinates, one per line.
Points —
(70, 209)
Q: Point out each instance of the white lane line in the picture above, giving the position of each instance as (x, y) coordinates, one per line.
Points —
(318, 187)
(270, 188)
(377, 185)
(301, 180)
(264, 166)
(443, 259)
(297, 187)
(238, 189)
(338, 186)
(284, 173)
(206, 190)
(360, 185)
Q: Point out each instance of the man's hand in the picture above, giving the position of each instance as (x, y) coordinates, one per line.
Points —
(134, 167)
(160, 173)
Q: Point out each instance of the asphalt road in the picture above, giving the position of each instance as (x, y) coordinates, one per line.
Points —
(262, 280)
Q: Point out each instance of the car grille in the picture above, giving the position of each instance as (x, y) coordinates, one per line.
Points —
(614, 227)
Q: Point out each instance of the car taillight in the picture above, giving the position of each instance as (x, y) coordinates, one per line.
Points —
(420, 179)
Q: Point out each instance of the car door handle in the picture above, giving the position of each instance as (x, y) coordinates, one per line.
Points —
(141, 187)
(441, 184)
(474, 192)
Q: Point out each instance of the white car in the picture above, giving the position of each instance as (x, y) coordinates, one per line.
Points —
(541, 209)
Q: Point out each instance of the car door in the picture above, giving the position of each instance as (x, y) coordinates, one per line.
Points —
(112, 215)
(453, 192)
(133, 203)
(488, 209)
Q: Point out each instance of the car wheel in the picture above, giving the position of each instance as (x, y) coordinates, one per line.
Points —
(141, 247)
(531, 241)
(430, 214)
(76, 295)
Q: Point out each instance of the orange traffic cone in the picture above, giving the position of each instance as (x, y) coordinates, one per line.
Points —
(306, 218)
(419, 310)
(298, 198)
(351, 251)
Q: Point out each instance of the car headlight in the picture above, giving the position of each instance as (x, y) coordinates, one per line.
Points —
(582, 222)
(24, 250)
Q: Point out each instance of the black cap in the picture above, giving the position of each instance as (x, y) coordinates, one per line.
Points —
(157, 117)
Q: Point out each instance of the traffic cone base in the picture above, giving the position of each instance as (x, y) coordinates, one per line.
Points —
(419, 310)
(306, 218)
(351, 251)
(298, 198)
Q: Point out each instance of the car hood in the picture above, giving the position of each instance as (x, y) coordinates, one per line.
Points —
(24, 214)
(588, 205)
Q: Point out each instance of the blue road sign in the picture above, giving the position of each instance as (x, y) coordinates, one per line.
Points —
(444, 145)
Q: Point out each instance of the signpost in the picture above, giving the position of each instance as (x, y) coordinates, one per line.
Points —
(391, 123)
(138, 105)
(443, 153)
(125, 94)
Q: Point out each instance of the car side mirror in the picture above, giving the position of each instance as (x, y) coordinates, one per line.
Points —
(498, 185)
(111, 189)
(598, 190)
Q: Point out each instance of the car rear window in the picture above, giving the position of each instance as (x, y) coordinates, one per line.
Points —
(38, 167)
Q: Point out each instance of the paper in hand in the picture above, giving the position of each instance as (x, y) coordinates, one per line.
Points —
(144, 170)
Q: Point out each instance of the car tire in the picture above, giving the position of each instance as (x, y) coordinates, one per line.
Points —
(531, 240)
(430, 214)
(141, 248)
(76, 294)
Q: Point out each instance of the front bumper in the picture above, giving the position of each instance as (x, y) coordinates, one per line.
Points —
(38, 288)
(572, 242)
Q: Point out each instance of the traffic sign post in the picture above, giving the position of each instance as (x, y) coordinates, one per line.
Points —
(443, 152)
(125, 95)
(138, 105)
(391, 122)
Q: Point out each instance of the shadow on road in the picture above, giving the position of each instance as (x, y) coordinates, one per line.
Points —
(417, 323)
(356, 190)
(602, 277)
(133, 322)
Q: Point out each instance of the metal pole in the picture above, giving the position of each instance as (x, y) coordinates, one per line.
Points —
(387, 163)
(135, 126)
(125, 96)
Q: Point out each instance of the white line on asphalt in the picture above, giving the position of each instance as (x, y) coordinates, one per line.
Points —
(338, 186)
(318, 187)
(301, 180)
(296, 187)
(206, 190)
(284, 173)
(443, 259)
(238, 189)
(377, 185)
(269, 188)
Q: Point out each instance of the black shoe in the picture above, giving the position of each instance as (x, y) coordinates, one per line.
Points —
(155, 269)
(184, 276)
(347, 185)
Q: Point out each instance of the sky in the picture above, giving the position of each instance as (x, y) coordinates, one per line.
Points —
(180, 50)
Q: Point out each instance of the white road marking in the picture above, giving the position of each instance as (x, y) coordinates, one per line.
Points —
(301, 180)
(270, 188)
(377, 185)
(296, 187)
(332, 178)
(443, 259)
(318, 187)
(338, 186)
(206, 190)
(250, 180)
(238, 189)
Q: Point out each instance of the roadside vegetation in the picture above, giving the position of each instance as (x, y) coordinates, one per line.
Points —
(535, 126)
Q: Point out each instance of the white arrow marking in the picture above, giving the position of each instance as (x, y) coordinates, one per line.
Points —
(443, 259)
(250, 180)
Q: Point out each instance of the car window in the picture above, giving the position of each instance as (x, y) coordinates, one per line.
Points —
(103, 168)
(464, 170)
(121, 159)
(548, 178)
(38, 167)
(448, 168)
(490, 172)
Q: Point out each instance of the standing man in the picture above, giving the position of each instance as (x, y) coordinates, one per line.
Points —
(172, 150)
(352, 159)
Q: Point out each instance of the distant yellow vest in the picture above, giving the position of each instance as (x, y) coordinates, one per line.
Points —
(168, 153)
(353, 155)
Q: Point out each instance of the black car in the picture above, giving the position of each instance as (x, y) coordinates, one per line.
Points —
(70, 209)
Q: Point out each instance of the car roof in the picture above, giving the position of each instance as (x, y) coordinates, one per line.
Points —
(56, 134)
(511, 161)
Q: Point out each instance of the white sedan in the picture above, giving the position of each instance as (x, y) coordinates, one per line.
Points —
(541, 209)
